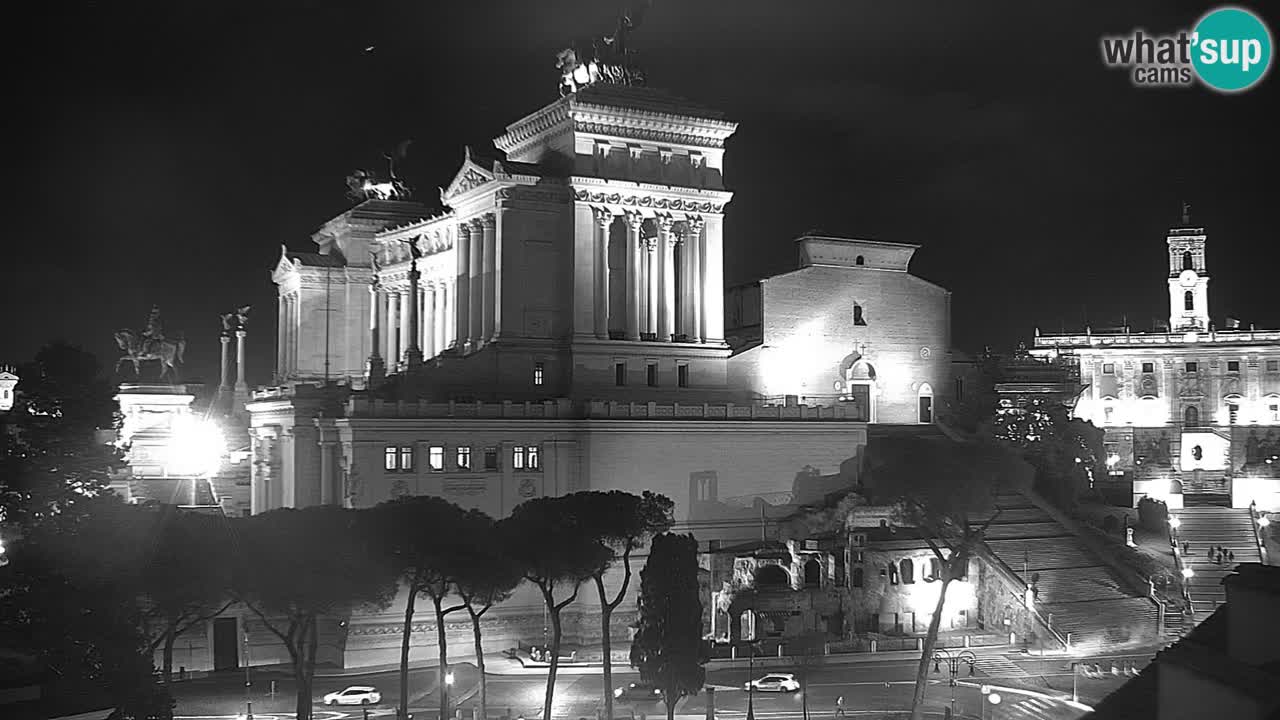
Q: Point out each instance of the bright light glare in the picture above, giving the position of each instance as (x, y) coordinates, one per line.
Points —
(994, 698)
(448, 679)
(195, 447)
(1175, 523)
(1262, 522)
(1188, 572)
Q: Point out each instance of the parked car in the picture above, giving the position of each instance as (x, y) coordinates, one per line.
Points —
(354, 695)
(637, 692)
(774, 682)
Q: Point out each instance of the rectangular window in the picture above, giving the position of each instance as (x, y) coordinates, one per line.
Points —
(682, 376)
(1233, 366)
(538, 369)
(1193, 367)
(959, 389)
(435, 458)
(1273, 365)
(652, 374)
(1148, 367)
(533, 458)
(406, 459)
(517, 457)
(620, 374)
(1108, 368)
(389, 459)
(491, 458)
(1233, 413)
(464, 458)
(1275, 412)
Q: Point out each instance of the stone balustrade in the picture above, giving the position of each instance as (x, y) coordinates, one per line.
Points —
(563, 409)
(1171, 338)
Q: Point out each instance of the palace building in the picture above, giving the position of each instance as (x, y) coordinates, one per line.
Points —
(1191, 411)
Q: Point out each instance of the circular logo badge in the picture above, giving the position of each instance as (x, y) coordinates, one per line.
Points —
(1231, 49)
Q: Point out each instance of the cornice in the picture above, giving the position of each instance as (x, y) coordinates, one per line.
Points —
(533, 126)
(656, 198)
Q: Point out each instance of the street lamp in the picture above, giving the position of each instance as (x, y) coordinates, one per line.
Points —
(1187, 572)
(1175, 522)
(988, 697)
(751, 671)
(1263, 521)
(953, 668)
(445, 695)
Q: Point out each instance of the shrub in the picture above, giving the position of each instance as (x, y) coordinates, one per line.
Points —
(1153, 514)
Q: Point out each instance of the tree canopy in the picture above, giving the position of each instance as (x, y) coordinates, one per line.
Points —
(668, 648)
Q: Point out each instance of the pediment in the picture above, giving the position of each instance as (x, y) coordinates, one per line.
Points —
(470, 176)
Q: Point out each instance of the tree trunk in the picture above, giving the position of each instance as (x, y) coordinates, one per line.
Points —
(555, 654)
(484, 690)
(302, 705)
(606, 645)
(926, 652)
(170, 637)
(403, 711)
(443, 646)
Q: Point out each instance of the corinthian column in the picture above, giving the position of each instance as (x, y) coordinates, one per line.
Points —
(225, 385)
(462, 298)
(429, 346)
(475, 275)
(488, 313)
(281, 338)
(651, 301)
(241, 386)
(693, 289)
(604, 219)
(634, 222)
(393, 322)
(667, 309)
(375, 370)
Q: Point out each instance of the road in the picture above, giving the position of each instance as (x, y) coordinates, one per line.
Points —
(869, 689)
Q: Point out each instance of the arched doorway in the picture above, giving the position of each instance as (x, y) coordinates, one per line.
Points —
(1191, 416)
(859, 387)
(924, 403)
(772, 577)
(812, 573)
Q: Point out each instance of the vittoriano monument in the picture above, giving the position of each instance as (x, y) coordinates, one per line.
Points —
(151, 345)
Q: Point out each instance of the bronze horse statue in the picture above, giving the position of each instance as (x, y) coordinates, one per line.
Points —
(137, 351)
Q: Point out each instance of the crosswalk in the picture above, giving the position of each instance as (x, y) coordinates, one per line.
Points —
(999, 666)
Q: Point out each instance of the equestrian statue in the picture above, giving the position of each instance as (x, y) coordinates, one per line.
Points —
(149, 345)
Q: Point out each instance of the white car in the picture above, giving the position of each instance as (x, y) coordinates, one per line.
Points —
(354, 695)
(774, 682)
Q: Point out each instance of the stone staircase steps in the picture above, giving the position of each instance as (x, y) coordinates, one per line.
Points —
(1206, 527)
(1077, 584)
(1037, 554)
(1097, 624)
(1000, 531)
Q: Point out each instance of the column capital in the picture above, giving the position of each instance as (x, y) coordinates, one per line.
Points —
(665, 223)
(635, 220)
(464, 228)
(487, 221)
(649, 243)
(604, 217)
(241, 333)
(694, 223)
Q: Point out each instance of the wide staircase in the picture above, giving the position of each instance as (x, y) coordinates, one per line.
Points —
(1207, 526)
(1075, 590)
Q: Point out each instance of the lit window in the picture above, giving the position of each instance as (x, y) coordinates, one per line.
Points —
(1108, 368)
(682, 376)
(464, 458)
(533, 458)
(389, 458)
(619, 374)
(537, 373)
(1273, 365)
(491, 458)
(1193, 367)
(517, 457)
(1148, 367)
(652, 374)
(406, 459)
(435, 457)
(1233, 366)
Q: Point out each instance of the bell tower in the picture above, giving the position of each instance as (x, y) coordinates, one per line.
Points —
(1188, 278)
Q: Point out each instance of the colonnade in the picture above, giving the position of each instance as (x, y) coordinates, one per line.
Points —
(287, 335)
(666, 278)
(390, 325)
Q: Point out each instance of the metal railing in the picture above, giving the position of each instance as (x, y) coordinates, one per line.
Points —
(1255, 520)
(1182, 569)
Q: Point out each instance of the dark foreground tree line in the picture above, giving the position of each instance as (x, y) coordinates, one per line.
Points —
(93, 588)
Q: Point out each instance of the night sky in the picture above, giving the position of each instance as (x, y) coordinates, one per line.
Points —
(162, 152)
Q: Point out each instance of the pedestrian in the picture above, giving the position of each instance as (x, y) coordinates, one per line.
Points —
(1231, 556)
(1186, 548)
(840, 707)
